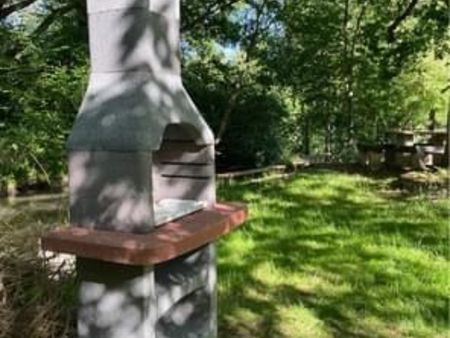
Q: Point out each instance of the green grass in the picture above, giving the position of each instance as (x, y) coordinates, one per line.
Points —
(325, 254)
(328, 254)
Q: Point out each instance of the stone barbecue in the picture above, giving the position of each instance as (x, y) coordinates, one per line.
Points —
(143, 208)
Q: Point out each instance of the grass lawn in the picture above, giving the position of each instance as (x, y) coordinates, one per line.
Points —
(328, 254)
(325, 254)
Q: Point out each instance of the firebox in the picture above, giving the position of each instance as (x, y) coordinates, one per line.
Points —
(183, 175)
(135, 191)
(143, 209)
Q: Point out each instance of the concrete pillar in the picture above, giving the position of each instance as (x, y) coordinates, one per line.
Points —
(116, 301)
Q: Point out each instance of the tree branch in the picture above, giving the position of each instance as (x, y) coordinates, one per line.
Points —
(17, 6)
(399, 19)
(358, 27)
(227, 114)
(52, 16)
(211, 10)
(254, 34)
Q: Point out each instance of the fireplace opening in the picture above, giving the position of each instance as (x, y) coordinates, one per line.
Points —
(183, 174)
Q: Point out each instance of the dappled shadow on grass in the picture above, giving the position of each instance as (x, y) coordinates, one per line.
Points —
(324, 255)
(326, 249)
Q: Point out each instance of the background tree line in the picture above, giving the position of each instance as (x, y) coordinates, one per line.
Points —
(274, 78)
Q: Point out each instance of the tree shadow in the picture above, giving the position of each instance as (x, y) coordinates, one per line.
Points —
(358, 247)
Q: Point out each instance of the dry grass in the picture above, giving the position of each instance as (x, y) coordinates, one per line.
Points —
(437, 182)
(35, 302)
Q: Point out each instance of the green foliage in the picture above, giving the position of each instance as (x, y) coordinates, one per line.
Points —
(354, 79)
(257, 135)
(257, 132)
(272, 77)
(39, 102)
(418, 90)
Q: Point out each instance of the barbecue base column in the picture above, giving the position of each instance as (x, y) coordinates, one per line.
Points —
(175, 299)
(186, 295)
(116, 301)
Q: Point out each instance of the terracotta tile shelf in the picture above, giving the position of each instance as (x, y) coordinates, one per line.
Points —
(169, 241)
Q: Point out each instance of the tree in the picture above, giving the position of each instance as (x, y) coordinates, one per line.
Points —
(287, 74)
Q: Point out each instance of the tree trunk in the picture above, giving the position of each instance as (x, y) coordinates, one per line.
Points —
(347, 69)
(306, 132)
(399, 19)
(447, 150)
(227, 114)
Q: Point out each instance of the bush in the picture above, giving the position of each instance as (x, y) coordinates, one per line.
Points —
(40, 117)
(260, 130)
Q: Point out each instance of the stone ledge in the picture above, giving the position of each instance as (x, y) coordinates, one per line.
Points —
(162, 244)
